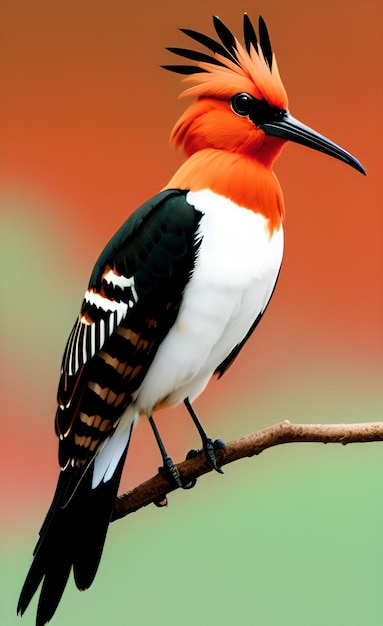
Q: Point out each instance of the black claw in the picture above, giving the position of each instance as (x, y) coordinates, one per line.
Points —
(193, 453)
(174, 477)
(219, 444)
(171, 472)
(209, 447)
(190, 484)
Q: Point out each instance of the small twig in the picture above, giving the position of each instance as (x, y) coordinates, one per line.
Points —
(156, 488)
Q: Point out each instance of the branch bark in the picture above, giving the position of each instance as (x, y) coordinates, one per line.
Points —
(156, 488)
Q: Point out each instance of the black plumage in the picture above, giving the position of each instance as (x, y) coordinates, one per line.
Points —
(249, 34)
(227, 47)
(72, 535)
(208, 42)
(226, 36)
(264, 40)
(194, 55)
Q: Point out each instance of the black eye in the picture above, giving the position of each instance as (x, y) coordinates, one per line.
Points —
(242, 104)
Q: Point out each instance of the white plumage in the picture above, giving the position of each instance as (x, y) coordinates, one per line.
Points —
(233, 279)
(234, 276)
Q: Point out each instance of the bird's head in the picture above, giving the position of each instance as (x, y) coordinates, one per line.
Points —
(240, 102)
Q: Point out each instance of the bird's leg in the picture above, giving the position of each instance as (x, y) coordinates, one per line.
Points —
(168, 468)
(209, 446)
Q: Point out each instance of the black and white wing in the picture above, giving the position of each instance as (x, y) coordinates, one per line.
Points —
(131, 303)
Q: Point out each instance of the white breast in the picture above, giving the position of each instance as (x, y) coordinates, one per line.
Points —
(233, 279)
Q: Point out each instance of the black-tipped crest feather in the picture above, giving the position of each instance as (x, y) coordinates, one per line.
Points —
(194, 55)
(227, 49)
(184, 69)
(226, 36)
(206, 41)
(265, 41)
(249, 34)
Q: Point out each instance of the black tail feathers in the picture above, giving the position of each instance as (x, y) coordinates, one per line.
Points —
(71, 536)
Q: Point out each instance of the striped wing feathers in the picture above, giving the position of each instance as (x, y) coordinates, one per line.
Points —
(131, 303)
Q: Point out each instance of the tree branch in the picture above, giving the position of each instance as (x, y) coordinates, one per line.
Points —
(156, 488)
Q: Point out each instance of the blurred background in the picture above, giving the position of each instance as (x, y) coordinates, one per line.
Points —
(293, 537)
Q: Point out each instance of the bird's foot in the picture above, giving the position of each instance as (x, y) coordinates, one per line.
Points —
(209, 447)
(170, 471)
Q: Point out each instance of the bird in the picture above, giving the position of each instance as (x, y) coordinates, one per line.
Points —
(175, 294)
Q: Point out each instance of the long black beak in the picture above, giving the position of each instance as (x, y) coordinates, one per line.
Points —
(287, 127)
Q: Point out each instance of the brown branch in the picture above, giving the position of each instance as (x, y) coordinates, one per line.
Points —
(156, 488)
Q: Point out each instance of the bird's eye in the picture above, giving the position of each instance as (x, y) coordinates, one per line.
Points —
(242, 104)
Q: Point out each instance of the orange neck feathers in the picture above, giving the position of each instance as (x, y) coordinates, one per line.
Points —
(243, 180)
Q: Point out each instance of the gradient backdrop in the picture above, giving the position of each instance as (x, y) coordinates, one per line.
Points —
(293, 537)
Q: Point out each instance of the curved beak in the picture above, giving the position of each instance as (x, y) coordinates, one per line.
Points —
(287, 127)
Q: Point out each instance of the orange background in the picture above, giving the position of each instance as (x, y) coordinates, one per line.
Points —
(85, 117)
